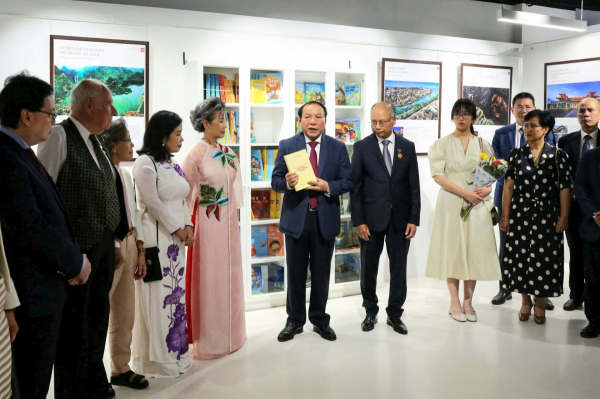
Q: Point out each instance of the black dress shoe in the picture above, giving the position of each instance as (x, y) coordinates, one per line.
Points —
(369, 322)
(288, 332)
(325, 332)
(501, 297)
(397, 325)
(592, 330)
(572, 304)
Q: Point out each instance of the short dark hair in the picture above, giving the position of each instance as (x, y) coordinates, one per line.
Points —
(160, 126)
(22, 91)
(470, 107)
(312, 102)
(206, 111)
(115, 133)
(523, 95)
(545, 118)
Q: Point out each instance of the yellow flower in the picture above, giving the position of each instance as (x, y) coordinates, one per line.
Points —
(483, 155)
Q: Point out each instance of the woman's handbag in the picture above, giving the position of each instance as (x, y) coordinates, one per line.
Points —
(493, 212)
(153, 269)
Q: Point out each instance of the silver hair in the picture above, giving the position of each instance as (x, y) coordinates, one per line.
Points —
(392, 108)
(206, 111)
(87, 88)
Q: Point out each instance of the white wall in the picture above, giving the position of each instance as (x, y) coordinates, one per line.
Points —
(217, 39)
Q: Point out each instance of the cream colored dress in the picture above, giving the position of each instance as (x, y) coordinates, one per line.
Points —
(460, 249)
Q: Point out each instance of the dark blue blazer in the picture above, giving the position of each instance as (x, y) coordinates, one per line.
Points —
(334, 167)
(571, 143)
(587, 190)
(378, 197)
(40, 249)
(503, 143)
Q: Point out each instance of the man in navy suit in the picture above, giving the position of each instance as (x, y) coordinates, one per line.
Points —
(587, 191)
(505, 140)
(40, 249)
(386, 206)
(575, 145)
(310, 219)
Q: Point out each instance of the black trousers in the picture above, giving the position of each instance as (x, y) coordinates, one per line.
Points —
(312, 250)
(591, 256)
(501, 249)
(34, 352)
(79, 371)
(576, 270)
(370, 251)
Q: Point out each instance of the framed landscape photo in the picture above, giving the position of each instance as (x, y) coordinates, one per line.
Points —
(414, 88)
(490, 88)
(119, 64)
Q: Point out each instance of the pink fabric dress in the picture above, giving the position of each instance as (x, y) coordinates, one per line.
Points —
(215, 313)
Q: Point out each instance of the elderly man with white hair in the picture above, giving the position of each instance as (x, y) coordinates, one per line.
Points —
(92, 192)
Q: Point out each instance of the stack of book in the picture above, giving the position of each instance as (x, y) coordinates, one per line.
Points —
(267, 278)
(347, 94)
(233, 126)
(265, 88)
(228, 90)
(267, 241)
(262, 163)
(265, 204)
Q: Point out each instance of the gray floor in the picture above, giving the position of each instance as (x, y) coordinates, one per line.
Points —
(439, 358)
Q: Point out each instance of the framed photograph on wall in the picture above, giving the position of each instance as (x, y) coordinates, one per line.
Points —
(121, 65)
(490, 88)
(415, 90)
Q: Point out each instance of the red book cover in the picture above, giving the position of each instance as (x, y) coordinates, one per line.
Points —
(274, 241)
(222, 87)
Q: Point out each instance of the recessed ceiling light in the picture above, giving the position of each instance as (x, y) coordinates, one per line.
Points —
(542, 21)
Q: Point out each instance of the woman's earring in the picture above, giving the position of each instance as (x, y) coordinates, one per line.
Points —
(164, 143)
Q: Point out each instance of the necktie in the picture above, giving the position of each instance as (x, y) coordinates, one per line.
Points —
(386, 156)
(586, 143)
(523, 141)
(312, 195)
(113, 210)
(36, 159)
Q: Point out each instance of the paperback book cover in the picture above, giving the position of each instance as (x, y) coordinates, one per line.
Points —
(259, 241)
(256, 166)
(252, 134)
(271, 155)
(299, 93)
(352, 93)
(343, 238)
(267, 278)
(347, 268)
(314, 92)
(257, 281)
(273, 86)
(260, 209)
(258, 91)
(348, 129)
(340, 94)
(275, 241)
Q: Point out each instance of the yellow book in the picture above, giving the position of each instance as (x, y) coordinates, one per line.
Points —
(298, 162)
(258, 91)
(263, 154)
(273, 212)
(277, 206)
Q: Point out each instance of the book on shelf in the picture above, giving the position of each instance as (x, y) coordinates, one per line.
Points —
(340, 94)
(252, 134)
(267, 278)
(345, 204)
(299, 93)
(347, 268)
(347, 130)
(352, 93)
(275, 207)
(274, 241)
(268, 157)
(261, 204)
(342, 240)
(217, 85)
(259, 241)
(258, 91)
(273, 86)
(231, 129)
(256, 166)
(314, 92)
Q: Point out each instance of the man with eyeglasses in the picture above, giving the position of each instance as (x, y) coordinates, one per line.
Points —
(575, 145)
(505, 140)
(386, 207)
(40, 246)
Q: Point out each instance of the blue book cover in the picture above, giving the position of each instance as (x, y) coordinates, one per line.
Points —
(259, 241)
(314, 92)
(256, 166)
(270, 163)
(299, 93)
(352, 93)
(257, 281)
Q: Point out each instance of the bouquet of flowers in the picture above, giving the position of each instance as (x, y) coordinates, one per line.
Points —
(487, 171)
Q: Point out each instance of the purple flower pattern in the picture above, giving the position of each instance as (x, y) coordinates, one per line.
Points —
(174, 166)
(177, 337)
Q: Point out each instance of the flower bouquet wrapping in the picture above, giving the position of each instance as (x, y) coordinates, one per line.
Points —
(487, 171)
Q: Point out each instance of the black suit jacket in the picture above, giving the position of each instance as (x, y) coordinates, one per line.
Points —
(571, 143)
(587, 189)
(376, 196)
(40, 249)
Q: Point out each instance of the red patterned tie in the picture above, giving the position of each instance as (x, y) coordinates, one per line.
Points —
(36, 159)
(312, 195)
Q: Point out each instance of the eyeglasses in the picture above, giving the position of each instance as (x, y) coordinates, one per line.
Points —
(463, 115)
(530, 126)
(53, 115)
(521, 108)
(380, 123)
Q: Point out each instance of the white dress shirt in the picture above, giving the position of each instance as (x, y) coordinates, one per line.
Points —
(593, 140)
(518, 135)
(391, 145)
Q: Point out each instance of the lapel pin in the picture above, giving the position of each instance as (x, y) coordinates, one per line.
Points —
(399, 153)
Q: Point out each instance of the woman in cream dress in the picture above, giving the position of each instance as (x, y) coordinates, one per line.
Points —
(461, 249)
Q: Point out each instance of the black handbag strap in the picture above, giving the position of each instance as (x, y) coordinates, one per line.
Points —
(135, 194)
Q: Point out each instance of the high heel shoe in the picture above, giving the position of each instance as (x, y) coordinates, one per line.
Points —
(462, 317)
(524, 316)
(539, 319)
(470, 317)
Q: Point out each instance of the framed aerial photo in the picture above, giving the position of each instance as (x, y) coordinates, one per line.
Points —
(121, 65)
(414, 88)
(566, 84)
(490, 88)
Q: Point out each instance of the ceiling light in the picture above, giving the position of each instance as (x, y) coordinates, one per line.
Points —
(543, 21)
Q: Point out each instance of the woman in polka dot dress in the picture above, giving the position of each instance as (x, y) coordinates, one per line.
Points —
(535, 211)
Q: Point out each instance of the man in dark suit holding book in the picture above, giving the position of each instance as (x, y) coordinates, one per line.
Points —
(575, 145)
(386, 207)
(310, 219)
